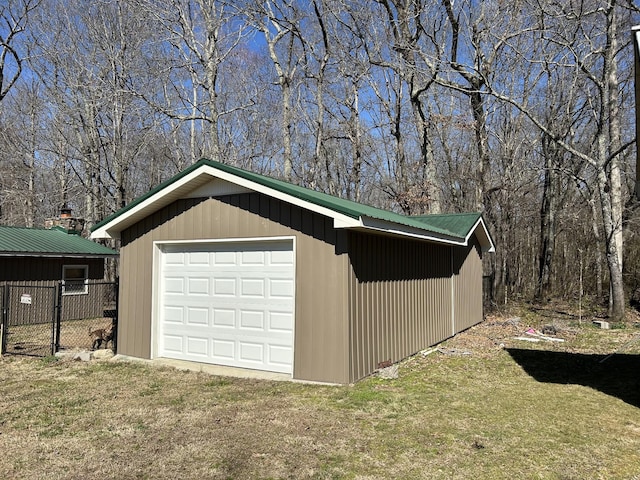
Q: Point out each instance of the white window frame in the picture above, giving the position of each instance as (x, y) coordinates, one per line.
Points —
(77, 289)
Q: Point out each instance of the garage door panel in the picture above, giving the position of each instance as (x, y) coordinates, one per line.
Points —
(197, 346)
(252, 258)
(230, 304)
(174, 285)
(251, 352)
(224, 318)
(252, 287)
(173, 314)
(224, 286)
(281, 288)
(251, 319)
(279, 354)
(174, 258)
(224, 351)
(198, 259)
(198, 285)
(280, 321)
(222, 259)
(173, 343)
(198, 316)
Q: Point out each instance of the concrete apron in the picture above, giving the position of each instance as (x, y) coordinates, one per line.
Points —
(217, 370)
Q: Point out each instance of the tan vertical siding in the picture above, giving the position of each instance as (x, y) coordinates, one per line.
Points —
(399, 297)
(321, 328)
(467, 277)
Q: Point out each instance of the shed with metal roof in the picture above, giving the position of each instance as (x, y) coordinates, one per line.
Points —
(43, 260)
(224, 266)
(42, 256)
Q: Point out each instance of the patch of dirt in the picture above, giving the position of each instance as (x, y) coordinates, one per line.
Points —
(496, 332)
(567, 334)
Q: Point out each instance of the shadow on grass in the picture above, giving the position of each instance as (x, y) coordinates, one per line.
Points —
(618, 376)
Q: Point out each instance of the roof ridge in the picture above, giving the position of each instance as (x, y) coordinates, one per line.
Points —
(365, 215)
(445, 214)
(25, 228)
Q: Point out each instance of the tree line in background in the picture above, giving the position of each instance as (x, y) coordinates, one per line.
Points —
(520, 109)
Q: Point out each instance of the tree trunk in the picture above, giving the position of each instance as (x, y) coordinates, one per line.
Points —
(616, 284)
(482, 145)
(597, 242)
(426, 154)
(285, 79)
(611, 187)
(212, 62)
(548, 222)
(287, 128)
(356, 142)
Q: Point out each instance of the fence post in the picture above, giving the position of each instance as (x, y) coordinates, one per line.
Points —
(56, 319)
(4, 300)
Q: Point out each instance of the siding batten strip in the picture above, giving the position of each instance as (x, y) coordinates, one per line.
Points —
(453, 294)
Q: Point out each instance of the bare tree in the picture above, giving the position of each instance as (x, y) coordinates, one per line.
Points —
(277, 21)
(14, 16)
(201, 35)
(415, 45)
(88, 83)
(474, 83)
(589, 43)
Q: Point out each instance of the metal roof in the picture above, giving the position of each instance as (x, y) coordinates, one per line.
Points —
(451, 228)
(24, 241)
(460, 223)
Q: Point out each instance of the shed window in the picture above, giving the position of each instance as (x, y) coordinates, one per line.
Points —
(75, 279)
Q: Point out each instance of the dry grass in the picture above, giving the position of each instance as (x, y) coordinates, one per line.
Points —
(508, 409)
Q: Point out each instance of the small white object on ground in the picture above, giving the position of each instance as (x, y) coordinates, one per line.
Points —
(527, 339)
(453, 351)
(103, 354)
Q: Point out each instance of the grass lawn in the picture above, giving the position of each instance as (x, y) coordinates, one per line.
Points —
(489, 407)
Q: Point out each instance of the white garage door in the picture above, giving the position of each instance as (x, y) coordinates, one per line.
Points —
(228, 304)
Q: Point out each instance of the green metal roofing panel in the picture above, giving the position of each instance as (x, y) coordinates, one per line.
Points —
(458, 223)
(36, 241)
(346, 207)
(340, 205)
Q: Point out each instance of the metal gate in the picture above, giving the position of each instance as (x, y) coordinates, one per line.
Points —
(41, 320)
(28, 319)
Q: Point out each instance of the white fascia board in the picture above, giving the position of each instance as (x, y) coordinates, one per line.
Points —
(180, 189)
(384, 226)
(160, 199)
(487, 244)
(397, 229)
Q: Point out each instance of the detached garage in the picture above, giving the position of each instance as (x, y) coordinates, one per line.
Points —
(224, 266)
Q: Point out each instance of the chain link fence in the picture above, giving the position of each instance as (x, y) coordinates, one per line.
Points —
(41, 320)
